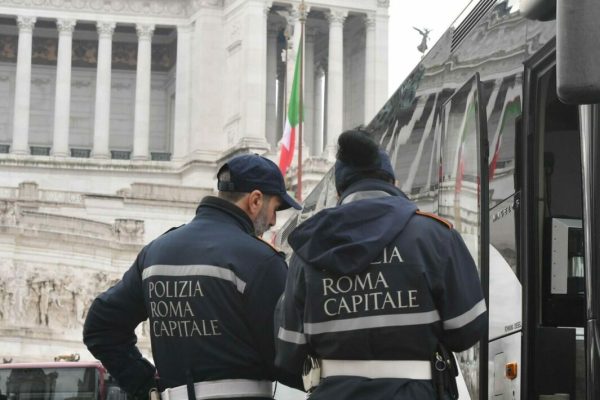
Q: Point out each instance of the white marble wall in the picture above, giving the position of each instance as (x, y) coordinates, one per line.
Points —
(233, 99)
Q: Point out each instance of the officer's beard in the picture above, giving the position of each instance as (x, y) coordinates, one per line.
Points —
(261, 223)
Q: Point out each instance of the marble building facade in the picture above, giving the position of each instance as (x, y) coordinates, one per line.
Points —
(115, 115)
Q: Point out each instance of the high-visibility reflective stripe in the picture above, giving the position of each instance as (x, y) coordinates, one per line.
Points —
(379, 321)
(464, 319)
(195, 270)
(225, 388)
(376, 369)
(291, 336)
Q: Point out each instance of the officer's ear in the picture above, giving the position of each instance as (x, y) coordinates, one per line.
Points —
(254, 203)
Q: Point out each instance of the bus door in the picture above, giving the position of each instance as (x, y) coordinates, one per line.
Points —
(551, 246)
(462, 200)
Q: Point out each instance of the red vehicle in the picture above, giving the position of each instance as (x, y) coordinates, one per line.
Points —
(58, 381)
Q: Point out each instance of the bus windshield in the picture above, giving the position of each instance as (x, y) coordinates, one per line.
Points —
(49, 383)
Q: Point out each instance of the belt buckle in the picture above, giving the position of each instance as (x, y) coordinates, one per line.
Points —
(154, 394)
(440, 364)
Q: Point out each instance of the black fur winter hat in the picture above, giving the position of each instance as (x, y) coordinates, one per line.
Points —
(359, 157)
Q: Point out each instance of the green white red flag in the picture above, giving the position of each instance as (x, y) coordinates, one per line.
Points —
(288, 141)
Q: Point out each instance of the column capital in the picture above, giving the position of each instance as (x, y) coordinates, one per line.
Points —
(336, 17)
(25, 23)
(369, 20)
(105, 29)
(65, 25)
(383, 3)
(144, 31)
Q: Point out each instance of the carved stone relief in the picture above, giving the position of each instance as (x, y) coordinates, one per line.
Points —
(48, 297)
(129, 230)
(9, 213)
(28, 191)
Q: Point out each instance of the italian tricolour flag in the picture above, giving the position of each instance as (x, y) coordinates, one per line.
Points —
(288, 141)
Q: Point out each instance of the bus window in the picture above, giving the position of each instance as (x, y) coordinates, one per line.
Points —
(49, 383)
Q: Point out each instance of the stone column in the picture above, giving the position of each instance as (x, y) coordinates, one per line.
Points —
(181, 139)
(335, 78)
(318, 132)
(62, 98)
(141, 127)
(381, 53)
(293, 26)
(254, 74)
(281, 100)
(207, 138)
(370, 108)
(271, 128)
(22, 86)
(309, 90)
(103, 88)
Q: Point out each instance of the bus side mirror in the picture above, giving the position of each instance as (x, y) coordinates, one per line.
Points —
(578, 51)
(538, 10)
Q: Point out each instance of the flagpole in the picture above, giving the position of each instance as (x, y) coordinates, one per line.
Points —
(286, 34)
(302, 12)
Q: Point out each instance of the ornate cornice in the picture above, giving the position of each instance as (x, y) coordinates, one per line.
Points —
(25, 24)
(195, 5)
(152, 8)
(144, 31)
(66, 25)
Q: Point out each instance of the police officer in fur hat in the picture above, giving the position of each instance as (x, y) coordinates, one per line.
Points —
(378, 293)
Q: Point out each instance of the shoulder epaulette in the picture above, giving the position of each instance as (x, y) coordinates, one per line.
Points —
(172, 229)
(436, 217)
(270, 245)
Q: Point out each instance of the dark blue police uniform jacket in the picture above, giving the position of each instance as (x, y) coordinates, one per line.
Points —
(372, 279)
(209, 289)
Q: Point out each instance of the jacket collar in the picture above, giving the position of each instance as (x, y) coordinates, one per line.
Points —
(369, 189)
(228, 209)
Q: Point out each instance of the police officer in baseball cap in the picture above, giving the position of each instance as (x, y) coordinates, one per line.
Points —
(209, 289)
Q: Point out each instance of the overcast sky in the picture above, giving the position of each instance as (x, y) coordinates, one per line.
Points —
(436, 15)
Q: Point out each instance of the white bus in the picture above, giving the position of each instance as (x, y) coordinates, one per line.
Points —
(479, 135)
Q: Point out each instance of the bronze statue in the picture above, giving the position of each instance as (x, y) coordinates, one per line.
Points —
(425, 34)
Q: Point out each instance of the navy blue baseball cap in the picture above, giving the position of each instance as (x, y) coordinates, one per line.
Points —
(250, 172)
